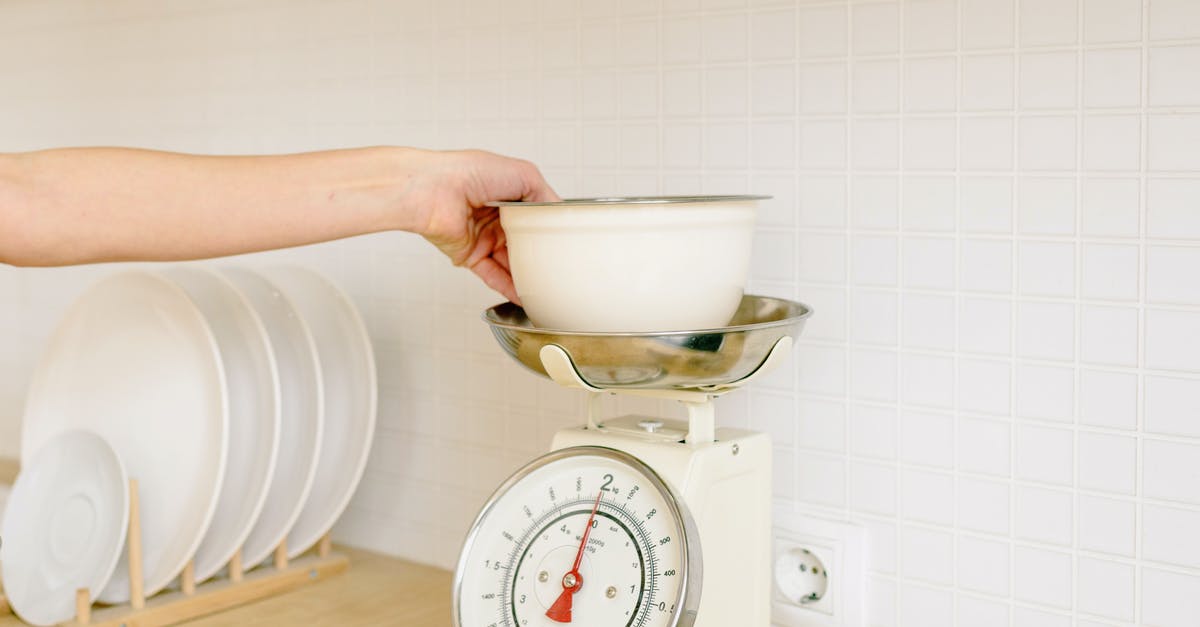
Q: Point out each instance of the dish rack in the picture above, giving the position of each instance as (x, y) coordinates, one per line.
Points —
(190, 601)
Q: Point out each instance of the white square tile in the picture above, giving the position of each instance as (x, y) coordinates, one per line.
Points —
(1170, 205)
(639, 94)
(638, 43)
(773, 145)
(929, 144)
(1108, 399)
(780, 416)
(925, 607)
(1045, 454)
(876, 28)
(1046, 206)
(930, 84)
(983, 386)
(928, 380)
(1110, 272)
(1048, 80)
(780, 210)
(1168, 535)
(984, 446)
(987, 23)
(1111, 207)
(1171, 274)
(874, 202)
(681, 145)
(986, 265)
(819, 424)
(985, 204)
(873, 488)
(873, 317)
(725, 91)
(927, 439)
(1045, 577)
(822, 201)
(985, 325)
(1174, 76)
(773, 35)
(1172, 339)
(1107, 463)
(983, 505)
(987, 82)
(1105, 588)
(725, 145)
(1171, 471)
(873, 431)
(823, 32)
(873, 374)
(928, 203)
(682, 92)
(772, 89)
(597, 43)
(1173, 140)
(1112, 78)
(1174, 19)
(1029, 617)
(831, 302)
(876, 86)
(783, 474)
(1106, 21)
(1047, 143)
(883, 538)
(774, 256)
(680, 40)
(930, 25)
(1172, 405)
(985, 143)
(822, 480)
(980, 612)
(881, 601)
(876, 144)
(1044, 515)
(598, 145)
(928, 263)
(1045, 392)
(1046, 268)
(873, 260)
(928, 322)
(822, 258)
(1170, 598)
(823, 88)
(927, 496)
(1109, 335)
(823, 144)
(927, 555)
(1106, 525)
(1112, 143)
(1048, 22)
(558, 96)
(639, 146)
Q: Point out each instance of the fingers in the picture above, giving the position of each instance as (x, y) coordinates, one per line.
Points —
(496, 278)
(536, 187)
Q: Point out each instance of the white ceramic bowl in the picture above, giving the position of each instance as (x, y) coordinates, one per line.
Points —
(671, 263)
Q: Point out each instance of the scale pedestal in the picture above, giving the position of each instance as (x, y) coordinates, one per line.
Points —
(722, 475)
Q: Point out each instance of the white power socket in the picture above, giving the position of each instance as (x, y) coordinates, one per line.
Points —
(820, 572)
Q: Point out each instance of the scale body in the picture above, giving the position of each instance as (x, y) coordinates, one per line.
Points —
(717, 480)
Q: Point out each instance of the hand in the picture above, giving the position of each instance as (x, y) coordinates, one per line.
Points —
(447, 203)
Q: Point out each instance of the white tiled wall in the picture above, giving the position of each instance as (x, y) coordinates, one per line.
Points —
(993, 205)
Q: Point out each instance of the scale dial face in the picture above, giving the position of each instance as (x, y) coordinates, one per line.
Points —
(523, 565)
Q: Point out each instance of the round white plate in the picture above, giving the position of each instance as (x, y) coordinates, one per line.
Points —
(64, 526)
(348, 372)
(135, 362)
(253, 387)
(301, 404)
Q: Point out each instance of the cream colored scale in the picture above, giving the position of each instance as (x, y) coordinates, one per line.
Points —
(632, 520)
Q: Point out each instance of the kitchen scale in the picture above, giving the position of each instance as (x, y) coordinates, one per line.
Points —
(633, 520)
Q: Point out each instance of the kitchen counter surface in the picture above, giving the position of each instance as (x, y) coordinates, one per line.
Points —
(377, 590)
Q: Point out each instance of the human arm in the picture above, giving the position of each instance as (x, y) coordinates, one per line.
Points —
(86, 205)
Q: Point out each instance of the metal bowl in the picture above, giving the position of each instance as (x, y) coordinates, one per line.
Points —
(674, 360)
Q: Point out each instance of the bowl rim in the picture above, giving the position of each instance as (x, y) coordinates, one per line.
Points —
(627, 200)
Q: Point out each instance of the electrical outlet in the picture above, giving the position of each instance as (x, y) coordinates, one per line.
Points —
(820, 574)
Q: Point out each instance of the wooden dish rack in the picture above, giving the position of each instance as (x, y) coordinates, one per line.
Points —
(193, 601)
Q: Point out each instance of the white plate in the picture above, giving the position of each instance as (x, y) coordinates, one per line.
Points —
(135, 362)
(301, 402)
(253, 387)
(64, 526)
(348, 372)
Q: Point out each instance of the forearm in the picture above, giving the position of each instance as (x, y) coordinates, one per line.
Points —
(86, 205)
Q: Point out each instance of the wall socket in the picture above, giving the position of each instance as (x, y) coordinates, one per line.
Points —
(820, 572)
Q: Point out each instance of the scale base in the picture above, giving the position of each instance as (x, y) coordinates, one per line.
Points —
(726, 484)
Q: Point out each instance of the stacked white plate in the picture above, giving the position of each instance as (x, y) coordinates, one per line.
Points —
(243, 403)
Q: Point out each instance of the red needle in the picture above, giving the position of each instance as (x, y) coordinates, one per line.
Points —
(560, 612)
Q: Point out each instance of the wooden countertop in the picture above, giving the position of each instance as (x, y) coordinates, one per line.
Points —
(377, 590)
